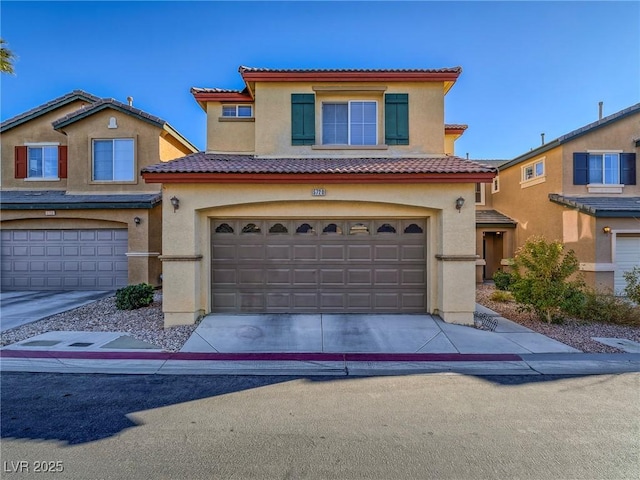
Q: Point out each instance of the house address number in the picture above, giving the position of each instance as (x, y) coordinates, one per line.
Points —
(318, 192)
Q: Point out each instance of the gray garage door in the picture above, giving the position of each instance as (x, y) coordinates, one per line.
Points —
(627, 257)
(64, 259)
(318, 266)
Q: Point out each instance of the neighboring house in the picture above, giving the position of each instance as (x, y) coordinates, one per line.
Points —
(582, 189)
(322, 191)
(494, 230)
(76, 214)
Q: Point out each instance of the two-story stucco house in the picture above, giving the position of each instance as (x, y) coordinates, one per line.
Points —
(582, 189)
(322, 191)
(76, 213)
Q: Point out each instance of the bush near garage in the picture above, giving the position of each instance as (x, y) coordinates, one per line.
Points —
(546, 279)
(133, 297)
(632, 289)
(606, 308)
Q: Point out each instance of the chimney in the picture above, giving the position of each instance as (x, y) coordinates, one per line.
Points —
(542, 137)
(467, 155)
(600, 110)
(130, 101)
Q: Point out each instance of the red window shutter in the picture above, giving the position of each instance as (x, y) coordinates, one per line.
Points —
(21, 162)
(62, 161)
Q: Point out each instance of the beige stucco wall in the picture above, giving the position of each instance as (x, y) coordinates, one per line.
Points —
(36, 130)
(186, 236)
(229, 135)
(449, 144)
(80, 154)
(170, 148)
(145, 240)
(270, 134)
(528, 204)
(617, 136)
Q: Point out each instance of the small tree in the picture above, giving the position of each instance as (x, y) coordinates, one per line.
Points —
(542, 281)
(6, 58)
(632, 289)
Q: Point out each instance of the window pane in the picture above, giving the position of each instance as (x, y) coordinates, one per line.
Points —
(363, 123)
(50, 162)
(228, 111)
(611, 168)
(244, 111)
(595, 169)
(102, 160)
(334, 123)
(123, 160)
(35, 162)
(539, 169)
(478, 193)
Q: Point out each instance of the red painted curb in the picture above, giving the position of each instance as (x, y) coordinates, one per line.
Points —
(300, 357)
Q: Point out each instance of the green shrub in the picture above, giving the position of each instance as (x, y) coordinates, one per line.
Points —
(632, 289)
(134, 296)
(501, 296)
(542, 279)
(608, 308)
(502, 280)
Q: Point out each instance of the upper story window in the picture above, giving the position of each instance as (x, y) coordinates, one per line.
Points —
(479, 193)
(353, 123)
(600, 167)
(495, 185)
(237, 111)
(532, 173)
(113, 160)
(42, 162)
(350, 123)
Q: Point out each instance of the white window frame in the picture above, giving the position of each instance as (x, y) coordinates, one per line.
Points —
(538, 173)
(495, 184)
(482, 191)
(236, 110)
(134, 178)
(604, 153)
(42, 146)
(349, 103)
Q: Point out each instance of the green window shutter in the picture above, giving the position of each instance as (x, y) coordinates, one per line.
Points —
(396, 119)
(303, 119)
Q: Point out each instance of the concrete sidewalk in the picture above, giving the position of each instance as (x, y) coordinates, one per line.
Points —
(318, 345)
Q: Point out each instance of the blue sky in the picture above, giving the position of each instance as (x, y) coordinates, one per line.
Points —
(528, 67)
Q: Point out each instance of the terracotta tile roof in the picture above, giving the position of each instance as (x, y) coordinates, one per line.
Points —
(618, 207)
(215, 90)
(222, 163)
(243, 69)
(455, 126)
(47, 107)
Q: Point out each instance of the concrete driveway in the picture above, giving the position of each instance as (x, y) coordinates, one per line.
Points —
(20, 308)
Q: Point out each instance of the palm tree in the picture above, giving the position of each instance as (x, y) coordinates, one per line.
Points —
(6, 58)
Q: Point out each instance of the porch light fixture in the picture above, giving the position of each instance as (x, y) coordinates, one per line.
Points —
(137, 220)
(459, 203)
(175, 203)
(606, 230)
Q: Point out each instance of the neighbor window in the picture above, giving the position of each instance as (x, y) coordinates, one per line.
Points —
(479, 193)
(237, 111)
(533, 171)
(604, 168)
(495, 185)
(351, 123)
(43, 161)
(113, 160)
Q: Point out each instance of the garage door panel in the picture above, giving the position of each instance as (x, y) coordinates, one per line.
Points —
(627, 257)
(278, 271)
(64, 259)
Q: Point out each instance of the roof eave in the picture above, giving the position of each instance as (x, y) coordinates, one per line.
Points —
(311, 178)
(58, 125)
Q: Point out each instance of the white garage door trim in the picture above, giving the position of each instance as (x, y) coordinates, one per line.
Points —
(627, 256)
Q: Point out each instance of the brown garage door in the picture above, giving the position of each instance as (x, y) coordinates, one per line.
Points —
(318, 266)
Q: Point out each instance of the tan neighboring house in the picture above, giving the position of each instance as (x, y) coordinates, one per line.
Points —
(75, 212)
(582, 189)
(322, 191)
(494, 231)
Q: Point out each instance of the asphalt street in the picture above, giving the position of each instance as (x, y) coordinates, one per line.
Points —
(442, 426)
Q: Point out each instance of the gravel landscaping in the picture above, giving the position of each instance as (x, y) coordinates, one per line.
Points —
(146, 324)
(572, 332)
